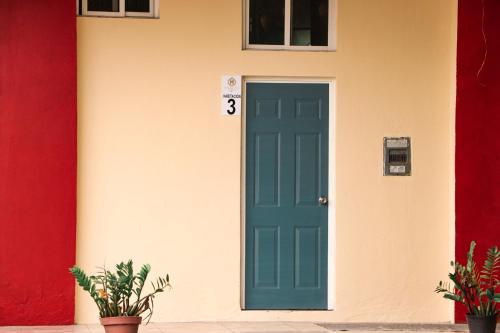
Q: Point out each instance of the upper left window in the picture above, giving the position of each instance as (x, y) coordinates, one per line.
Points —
(118, 8)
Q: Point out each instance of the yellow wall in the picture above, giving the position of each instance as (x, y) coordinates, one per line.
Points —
(159, 168)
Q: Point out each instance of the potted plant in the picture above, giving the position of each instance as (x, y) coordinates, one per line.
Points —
(118, 295)
(476, 290)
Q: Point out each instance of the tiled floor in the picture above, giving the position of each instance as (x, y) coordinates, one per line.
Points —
(220, 327)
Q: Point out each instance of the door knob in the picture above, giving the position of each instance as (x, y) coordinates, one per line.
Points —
(323, 201)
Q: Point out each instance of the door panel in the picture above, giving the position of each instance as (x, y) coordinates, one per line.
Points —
(286, 173)
(307, 169)
(307, 254)
(267, 170)
(266, 257)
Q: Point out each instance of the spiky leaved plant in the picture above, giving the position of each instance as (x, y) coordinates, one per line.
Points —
(476, 290)
(120, 293)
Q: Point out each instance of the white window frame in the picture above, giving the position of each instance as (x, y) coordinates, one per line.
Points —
(332, 24)
(153, 10)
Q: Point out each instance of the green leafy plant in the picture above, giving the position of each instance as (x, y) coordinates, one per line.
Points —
(120, 293)
(476, 290)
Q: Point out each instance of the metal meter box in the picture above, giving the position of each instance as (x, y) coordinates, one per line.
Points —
(397, 156)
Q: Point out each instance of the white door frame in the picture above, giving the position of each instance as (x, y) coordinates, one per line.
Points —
(331, 177)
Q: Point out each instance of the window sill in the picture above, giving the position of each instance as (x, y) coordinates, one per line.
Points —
(119, 17)
(290, 48)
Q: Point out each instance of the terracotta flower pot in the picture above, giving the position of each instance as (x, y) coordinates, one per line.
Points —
(481, 324)
(121, 324)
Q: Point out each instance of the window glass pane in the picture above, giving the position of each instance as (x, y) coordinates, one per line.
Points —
(267, 22)
(141, 6)
(103, 5)
(309, 22)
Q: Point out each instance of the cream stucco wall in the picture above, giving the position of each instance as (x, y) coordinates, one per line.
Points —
(159, 168)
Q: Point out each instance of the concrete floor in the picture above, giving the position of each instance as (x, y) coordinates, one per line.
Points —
(247, 327)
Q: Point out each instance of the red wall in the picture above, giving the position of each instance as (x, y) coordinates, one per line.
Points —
(477, 131)
(37, 161)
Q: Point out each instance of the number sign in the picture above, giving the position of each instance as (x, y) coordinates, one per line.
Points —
(231, 95)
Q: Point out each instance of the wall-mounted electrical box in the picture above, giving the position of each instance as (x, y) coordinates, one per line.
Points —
(397, 156)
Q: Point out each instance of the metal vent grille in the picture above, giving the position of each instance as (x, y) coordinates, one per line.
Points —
(398, 156)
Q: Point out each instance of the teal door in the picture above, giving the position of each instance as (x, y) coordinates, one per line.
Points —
(286, 188)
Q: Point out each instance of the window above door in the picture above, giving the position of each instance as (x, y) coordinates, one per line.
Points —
(118, 8)
(307, 25)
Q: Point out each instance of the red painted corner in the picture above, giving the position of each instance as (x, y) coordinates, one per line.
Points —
(477, 131)
(37, 161)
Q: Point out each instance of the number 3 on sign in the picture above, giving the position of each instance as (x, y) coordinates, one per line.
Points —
(232, 108)
(231, 95)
